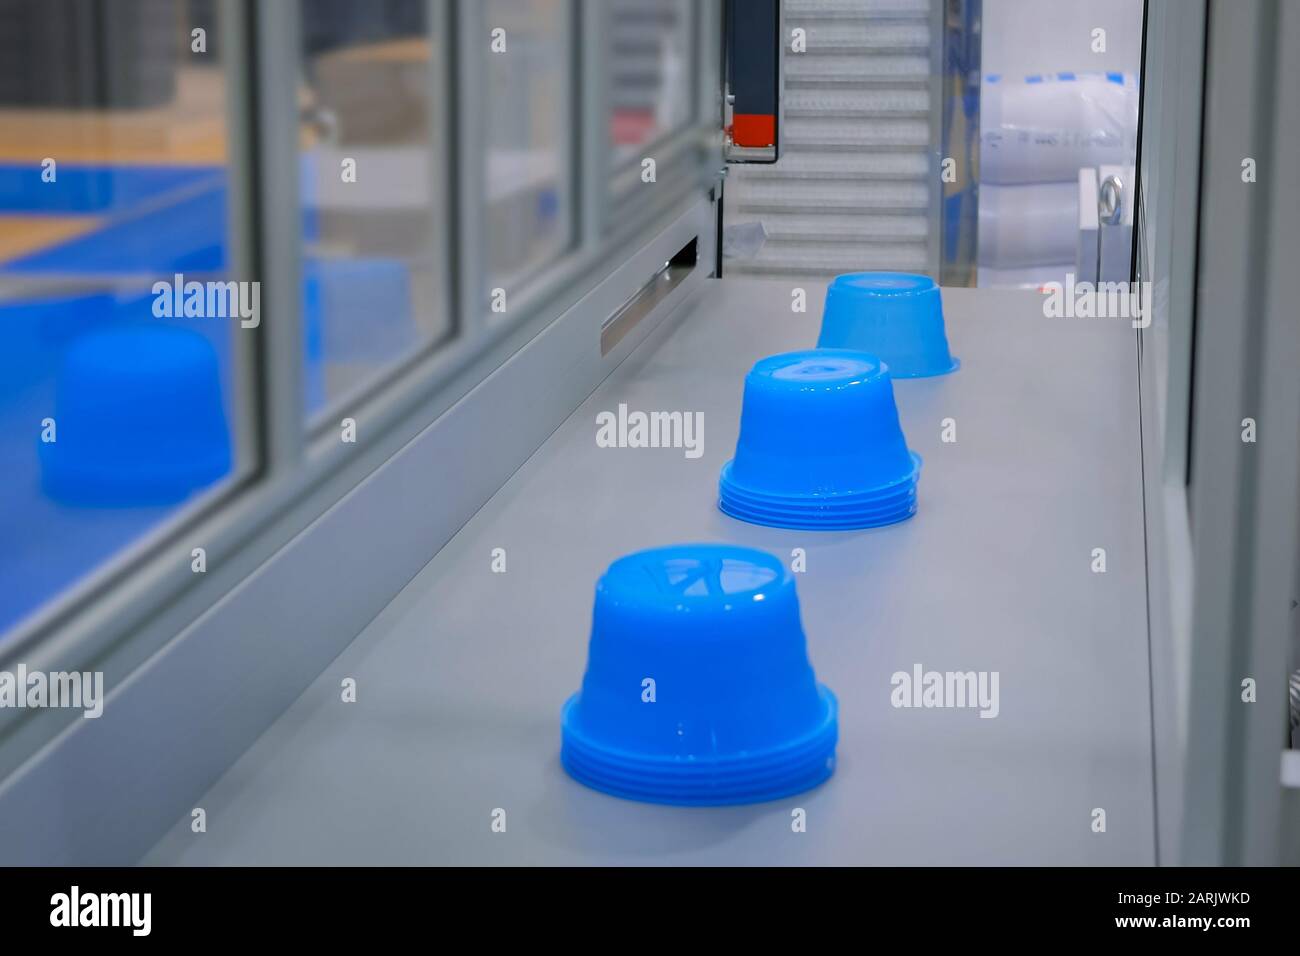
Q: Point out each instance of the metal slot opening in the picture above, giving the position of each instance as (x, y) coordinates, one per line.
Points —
(618, 325)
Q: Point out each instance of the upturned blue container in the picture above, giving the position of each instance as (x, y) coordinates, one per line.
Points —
(698, 688)
(820, 445)
(896, 316)
(139, 419)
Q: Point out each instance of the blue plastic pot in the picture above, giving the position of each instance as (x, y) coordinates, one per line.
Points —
(698, 689)
(820, 446)
(139, 419)
(893, 315)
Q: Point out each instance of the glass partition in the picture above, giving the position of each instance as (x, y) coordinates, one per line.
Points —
(529, 149)
(140, 382)
(123, 390)
(374, 210)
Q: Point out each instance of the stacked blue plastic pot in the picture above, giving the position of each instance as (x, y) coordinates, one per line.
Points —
(698, 689)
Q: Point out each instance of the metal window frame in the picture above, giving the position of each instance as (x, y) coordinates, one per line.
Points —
(1173, 84)
(1245, 516)
(939, 110)
(1223, 516)
(593, 111)
(1164, 254)
(157, 600)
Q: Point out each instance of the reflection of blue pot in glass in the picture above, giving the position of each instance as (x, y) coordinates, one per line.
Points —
(820, 445)
(139, 419)
(360, 309)
(698, 689)
(895, 316)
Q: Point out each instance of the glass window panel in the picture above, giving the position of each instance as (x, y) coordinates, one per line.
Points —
(649, 61)
(374, 210)
(529, 138)
(1051, 107)
(121, 367)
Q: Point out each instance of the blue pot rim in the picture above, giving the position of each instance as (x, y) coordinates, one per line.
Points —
(815, 521)
(935, 373)
(790, 767)
(855, 498)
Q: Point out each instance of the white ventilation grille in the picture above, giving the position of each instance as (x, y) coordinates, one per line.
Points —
(853, 189)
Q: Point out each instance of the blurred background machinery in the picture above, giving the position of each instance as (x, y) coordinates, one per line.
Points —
(911, 127)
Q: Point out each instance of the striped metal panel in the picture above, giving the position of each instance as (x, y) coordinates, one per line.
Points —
(854, 188)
